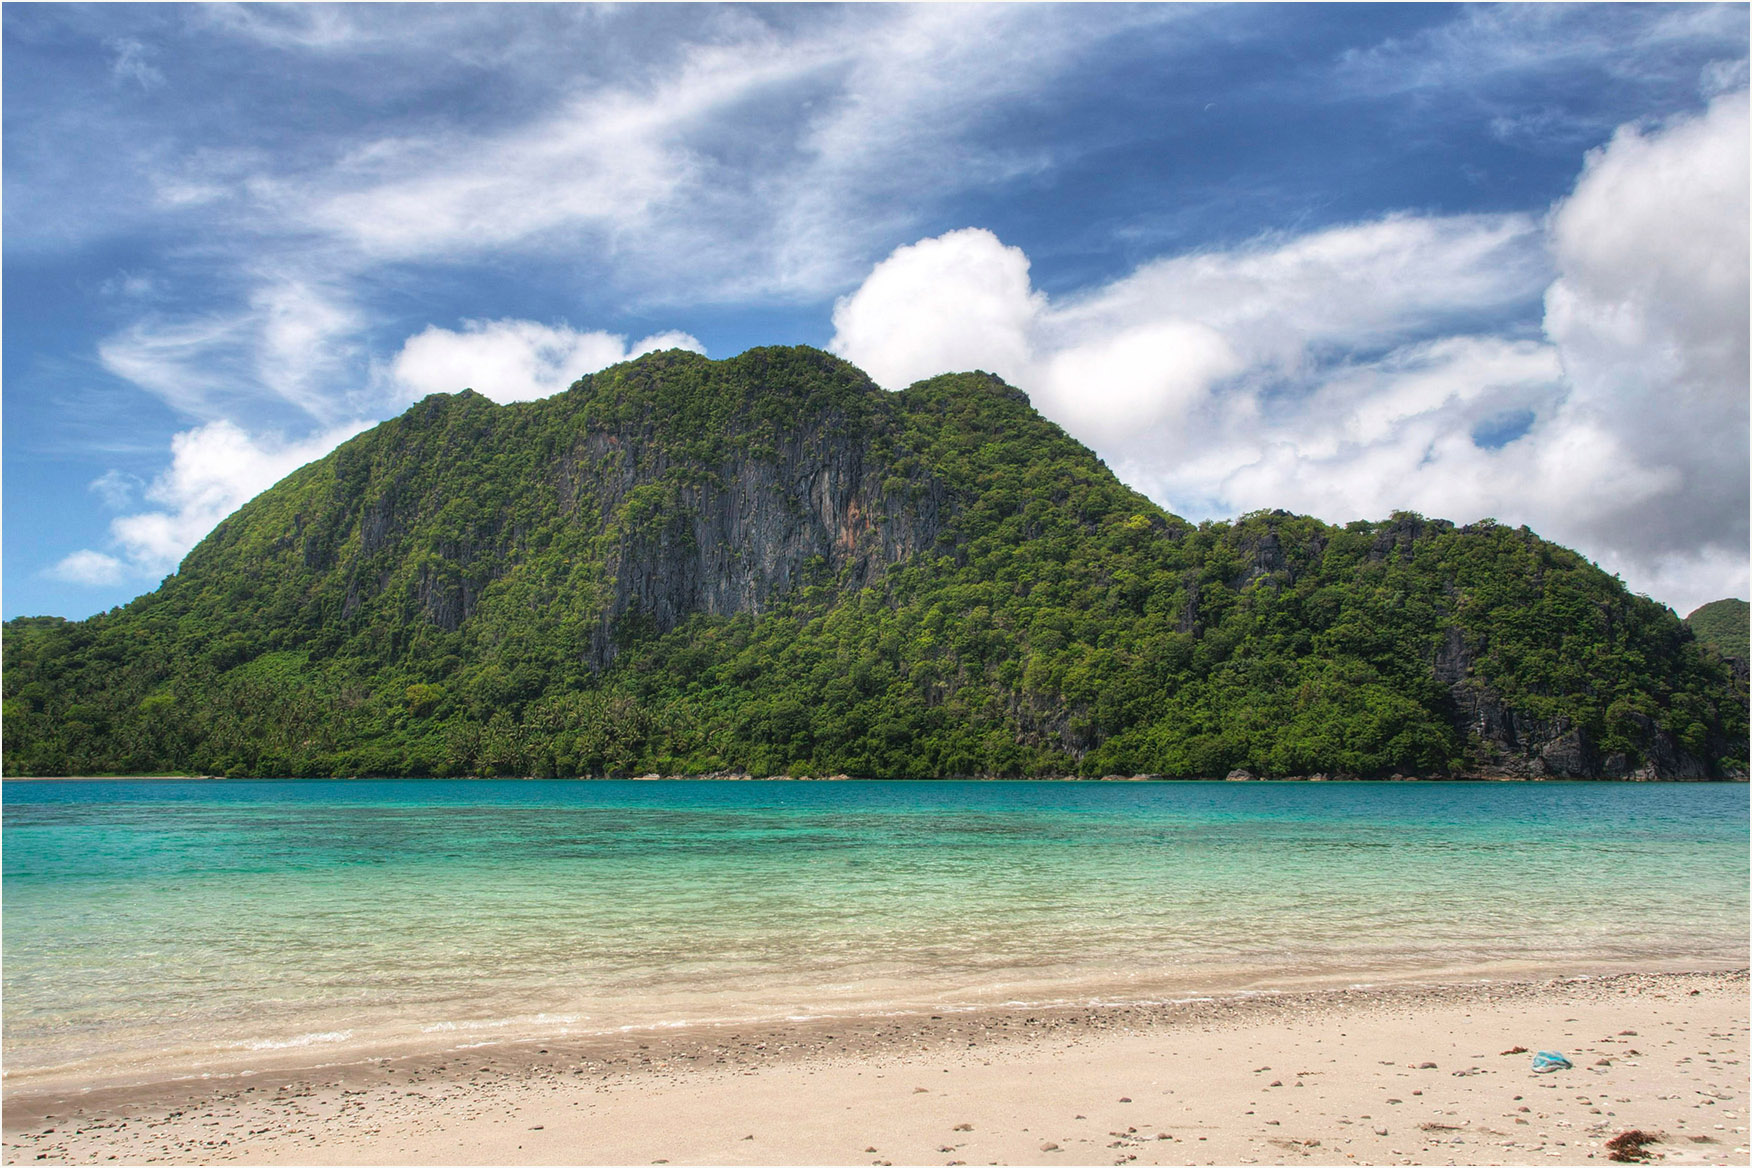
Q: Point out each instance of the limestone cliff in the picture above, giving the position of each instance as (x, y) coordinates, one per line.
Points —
(768, 564)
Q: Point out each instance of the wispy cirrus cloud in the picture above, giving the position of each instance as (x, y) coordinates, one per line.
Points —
(291, 344)
(133, 64)
(323, 209)
(655, 174)
(1488, 47)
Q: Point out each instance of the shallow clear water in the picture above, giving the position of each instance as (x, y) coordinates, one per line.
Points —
(184, 925)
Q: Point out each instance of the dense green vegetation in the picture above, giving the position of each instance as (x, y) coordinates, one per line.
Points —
(768, 564)
(1725, 626)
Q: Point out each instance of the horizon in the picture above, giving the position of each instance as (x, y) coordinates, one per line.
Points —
(1464, 261)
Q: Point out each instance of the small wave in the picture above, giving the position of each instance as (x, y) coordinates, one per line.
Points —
(302, 1040)
(501, 1023)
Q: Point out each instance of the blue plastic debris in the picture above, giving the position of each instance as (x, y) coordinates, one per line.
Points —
(1547, 1061)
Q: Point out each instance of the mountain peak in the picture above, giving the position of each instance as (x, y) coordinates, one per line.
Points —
(769, 564)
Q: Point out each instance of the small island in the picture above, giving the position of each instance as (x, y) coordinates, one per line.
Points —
(769, 565)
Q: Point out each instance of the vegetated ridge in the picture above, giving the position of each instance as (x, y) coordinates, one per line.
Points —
(1726, 627)
(770, 565)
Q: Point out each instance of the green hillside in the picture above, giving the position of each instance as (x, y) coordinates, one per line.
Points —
(1725, 626)
(768, 564)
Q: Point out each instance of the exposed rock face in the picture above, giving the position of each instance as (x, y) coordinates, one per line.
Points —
(950, 585)
(754, 532)
(669, 533)
(1515, 744)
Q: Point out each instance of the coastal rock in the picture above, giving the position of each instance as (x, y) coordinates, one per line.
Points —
(1510, 743)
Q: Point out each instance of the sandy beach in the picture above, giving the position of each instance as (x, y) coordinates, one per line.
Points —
(1400, 1074)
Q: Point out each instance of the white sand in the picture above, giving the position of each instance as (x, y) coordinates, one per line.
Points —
(1334, 1078)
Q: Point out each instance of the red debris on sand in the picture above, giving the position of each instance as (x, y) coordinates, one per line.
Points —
(1627, 1147)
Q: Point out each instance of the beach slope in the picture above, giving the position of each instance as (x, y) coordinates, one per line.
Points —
(1402, 1074)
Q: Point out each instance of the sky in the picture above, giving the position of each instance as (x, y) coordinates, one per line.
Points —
(1475, 262)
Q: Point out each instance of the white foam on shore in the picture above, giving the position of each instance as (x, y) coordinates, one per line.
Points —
(317, 1039)
(501, 1023)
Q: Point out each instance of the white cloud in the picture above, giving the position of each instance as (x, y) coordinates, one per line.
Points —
(744, 160)
(178, 362)
(217, 467)
(1650, 315)
(321, 27)
(1343, 373)
(1152, 347)
(513, 360)
(214, 470)
(959, 301)
(1139, 387)
(602, 162)
(1486, 50)
(303, 338)
(294, 345)
(89, 568)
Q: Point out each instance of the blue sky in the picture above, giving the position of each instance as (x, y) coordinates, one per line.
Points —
(1469, 261)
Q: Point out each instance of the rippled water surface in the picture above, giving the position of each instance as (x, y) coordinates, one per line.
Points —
(185, 924)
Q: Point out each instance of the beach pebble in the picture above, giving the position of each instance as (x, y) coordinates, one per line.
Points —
(1049, 1147)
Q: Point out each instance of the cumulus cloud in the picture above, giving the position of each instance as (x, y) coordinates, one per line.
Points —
(959, 301)
(1650, 314)
(214, 470)
(513, 360)
(1153, 347)
(1364, 368)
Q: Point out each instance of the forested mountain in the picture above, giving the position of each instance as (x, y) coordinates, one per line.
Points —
(1725, 626)
(770, 565)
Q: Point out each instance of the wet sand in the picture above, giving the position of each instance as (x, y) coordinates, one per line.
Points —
(1400, 1074)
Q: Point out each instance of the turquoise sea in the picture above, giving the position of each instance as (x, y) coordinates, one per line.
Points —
(159, 927)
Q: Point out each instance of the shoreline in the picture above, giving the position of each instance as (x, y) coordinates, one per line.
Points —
(616, 1094)
(744, 778)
